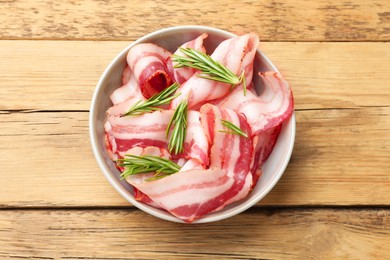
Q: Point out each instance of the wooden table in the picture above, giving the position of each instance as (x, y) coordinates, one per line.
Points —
(333, 200)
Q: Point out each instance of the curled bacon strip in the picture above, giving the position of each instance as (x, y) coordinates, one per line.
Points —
(183, 74)
(236, 54)
(269, 109)
(148, 63)
(129, 90)
(126, 75)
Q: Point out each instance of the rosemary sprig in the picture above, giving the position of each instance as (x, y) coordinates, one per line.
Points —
(179, 131)
(211, 69)
(134, 164)
(150, 105)
(233, 129)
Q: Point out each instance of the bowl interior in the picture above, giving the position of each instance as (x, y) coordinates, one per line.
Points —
(170, 39)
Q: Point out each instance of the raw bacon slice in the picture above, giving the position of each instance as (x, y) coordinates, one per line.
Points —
(110, 144)
(121, 108)
(144, 130)
(196, 145)
(263, 145)
(126, 75)
(142, 197)
(148, 63)
(192, 164)
(150, 130)
(188, 195)
(269, 109)
(247, 185)
(183, 74)
(128, 90)
(142, 151)
(230, 152)
(140, 178)
(236, 54)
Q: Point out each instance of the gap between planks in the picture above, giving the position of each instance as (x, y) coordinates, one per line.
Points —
(255, 208)
(29, 111)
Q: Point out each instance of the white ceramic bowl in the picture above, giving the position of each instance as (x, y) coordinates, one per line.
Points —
(170, 39)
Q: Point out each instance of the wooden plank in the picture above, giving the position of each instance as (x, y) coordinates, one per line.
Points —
(299, 20)
(52, 75)
(341, 157)
(255, 234)
(62, 75)
(59, 167)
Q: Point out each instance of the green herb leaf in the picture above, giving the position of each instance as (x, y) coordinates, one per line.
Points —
(179, 119)
(233, 129)
(211, 69)
(150, 105)
(134, 164)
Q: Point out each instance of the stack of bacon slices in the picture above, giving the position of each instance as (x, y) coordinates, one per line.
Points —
(217, 168)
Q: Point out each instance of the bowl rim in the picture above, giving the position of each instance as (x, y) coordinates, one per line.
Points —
(239, 208)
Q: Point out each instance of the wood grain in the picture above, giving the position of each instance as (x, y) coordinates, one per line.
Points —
(62, 75)
(331, 203)
(341, 157)
(299, 20)
(255, 234)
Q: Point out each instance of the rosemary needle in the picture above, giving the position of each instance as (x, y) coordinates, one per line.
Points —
(233, 129)
(150, 105)
(210, 68)
(179, 119)
(134, 164)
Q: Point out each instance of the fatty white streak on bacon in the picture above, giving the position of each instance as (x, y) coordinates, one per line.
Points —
(126, 75)
(242, 193)
(121, 108)
(140, 179)
(269, 109)
(149, 129)
(129, 90)
(144, 130)
(196, 145)
(148, 63)
(190, 194)
(236, 54)
(192, 164)
(230, 152)
(183, 74)
(124, 98)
